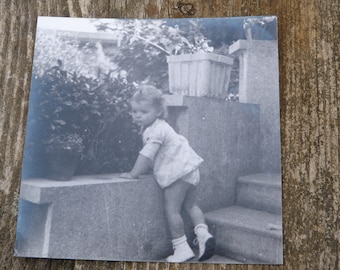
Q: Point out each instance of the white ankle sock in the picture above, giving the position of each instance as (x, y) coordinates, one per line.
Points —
(182, 250)
(201, 229)
(177, 241)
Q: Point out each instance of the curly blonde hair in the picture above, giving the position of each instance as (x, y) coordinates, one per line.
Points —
(152, 95)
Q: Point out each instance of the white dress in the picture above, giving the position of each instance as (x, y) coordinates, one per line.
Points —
(174, 158)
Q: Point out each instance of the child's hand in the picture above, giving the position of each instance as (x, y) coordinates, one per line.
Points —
(126, 175)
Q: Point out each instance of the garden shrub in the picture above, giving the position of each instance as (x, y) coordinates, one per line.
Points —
(96, 110)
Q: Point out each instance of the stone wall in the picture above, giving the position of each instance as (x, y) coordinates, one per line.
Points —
(259, 84)
(99, 217)
(226, 135)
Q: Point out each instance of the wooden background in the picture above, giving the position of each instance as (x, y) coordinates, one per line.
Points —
(309, 48)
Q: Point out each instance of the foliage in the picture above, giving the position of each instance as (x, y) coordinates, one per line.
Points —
(112, 140)
(144, 45)
(257, 27)
(71, 109)
(60, 95)
(158, 34)
(72, 142)
(82, 57)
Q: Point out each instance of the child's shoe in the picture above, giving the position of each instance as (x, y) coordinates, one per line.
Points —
(182, 250)
(206, 242)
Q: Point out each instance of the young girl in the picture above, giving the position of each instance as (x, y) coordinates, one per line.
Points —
(175, 168)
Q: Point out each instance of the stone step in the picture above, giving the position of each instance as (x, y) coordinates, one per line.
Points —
(247, 235)
(260, 192)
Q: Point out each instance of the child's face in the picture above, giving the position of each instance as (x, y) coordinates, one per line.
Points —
(143, 113)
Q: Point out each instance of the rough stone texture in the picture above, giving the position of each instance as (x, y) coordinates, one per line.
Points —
(245, 235)
(259, 84)
(309, 34)
(99, 217)
(226, 136)
(260, 192)
(251, 230)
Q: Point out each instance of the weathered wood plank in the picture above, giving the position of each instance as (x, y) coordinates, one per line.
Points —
(309, 35)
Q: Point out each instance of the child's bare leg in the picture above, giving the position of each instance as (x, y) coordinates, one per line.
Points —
(174, 196)
(191, 208)
(206, 241)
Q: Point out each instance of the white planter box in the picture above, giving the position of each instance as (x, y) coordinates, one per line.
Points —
(201, 74)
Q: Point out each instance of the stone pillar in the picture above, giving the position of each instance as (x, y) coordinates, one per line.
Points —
(259, 84)
(225, 135)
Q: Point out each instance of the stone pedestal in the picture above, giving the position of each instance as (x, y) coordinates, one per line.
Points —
(259, 84)
(225, 135)
(93, 217)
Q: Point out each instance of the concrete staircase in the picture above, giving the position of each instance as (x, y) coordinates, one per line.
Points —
(251, 230)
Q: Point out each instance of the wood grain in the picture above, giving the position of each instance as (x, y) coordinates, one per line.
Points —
(309, 76)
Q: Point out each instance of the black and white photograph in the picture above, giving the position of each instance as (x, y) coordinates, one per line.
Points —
(153, 140)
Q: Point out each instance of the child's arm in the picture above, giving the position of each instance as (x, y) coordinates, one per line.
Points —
(141, 166)
(143, 162)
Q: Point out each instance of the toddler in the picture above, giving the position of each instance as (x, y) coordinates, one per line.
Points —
(175, 168)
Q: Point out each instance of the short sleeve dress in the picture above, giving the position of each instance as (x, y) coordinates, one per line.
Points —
(174, 158)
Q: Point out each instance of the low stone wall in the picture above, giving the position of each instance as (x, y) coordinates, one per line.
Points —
(93, 217)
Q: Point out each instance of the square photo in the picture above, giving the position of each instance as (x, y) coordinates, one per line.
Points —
(153, 140)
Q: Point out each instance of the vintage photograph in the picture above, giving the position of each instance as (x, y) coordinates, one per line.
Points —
(154, 140)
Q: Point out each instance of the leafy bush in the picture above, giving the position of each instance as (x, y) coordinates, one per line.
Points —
(70, 142)
(82, 113)
(85, 58)
(144, 45)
